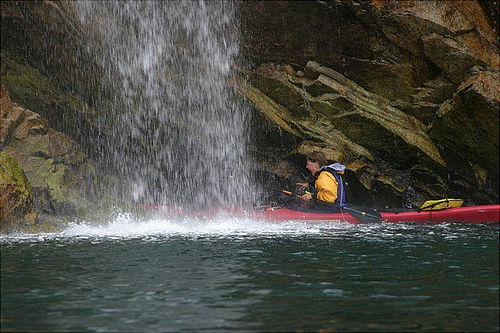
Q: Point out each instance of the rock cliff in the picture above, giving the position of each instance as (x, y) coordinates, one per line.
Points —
(44, 176)
(404, 93)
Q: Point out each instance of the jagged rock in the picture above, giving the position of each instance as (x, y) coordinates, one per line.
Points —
(481, 97)
(406, 23)
(378, 110)
(294, 32)
(416, 57)
(333, 109)
(423, 111)
(434, 91)
(7, 116)
(31, 88)
(377, 44)
(468, 126)
(365, 131)
(335, 115)
(451, 57)
(57, 171)
(428, 98)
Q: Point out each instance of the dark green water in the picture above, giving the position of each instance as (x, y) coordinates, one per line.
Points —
(241, 275)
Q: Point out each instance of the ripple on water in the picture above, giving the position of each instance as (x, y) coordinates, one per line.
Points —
(238, 273)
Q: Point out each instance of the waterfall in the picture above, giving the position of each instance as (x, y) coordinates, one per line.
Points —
(176, 127)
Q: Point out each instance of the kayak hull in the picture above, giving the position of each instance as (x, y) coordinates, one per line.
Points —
(472, 214)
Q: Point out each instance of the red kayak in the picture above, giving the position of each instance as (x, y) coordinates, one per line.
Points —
(472, 214)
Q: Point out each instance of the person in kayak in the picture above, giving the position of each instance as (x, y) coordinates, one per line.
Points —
(327, 189)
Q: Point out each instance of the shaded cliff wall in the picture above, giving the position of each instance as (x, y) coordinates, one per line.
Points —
(44, 179)
(405, 93)
(46, 68)
(48, 123)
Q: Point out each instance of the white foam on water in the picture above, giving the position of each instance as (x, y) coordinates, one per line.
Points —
(125, 226)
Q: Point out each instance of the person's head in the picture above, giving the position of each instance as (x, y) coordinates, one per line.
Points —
(315, 161)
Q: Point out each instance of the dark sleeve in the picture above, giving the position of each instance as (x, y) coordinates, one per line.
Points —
(312, 189)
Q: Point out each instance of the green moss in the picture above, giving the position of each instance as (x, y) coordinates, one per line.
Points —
(45, 173)
(11, 172)
(30, 145)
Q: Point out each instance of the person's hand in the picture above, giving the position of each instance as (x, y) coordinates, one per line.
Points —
(302, 185)
(306, 197)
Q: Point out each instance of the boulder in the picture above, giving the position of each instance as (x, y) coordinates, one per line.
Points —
(450, 56)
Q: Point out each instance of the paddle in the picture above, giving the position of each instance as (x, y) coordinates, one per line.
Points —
(362, 214)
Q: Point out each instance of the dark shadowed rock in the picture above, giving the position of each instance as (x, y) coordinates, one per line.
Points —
(468, 126)
(402, 91)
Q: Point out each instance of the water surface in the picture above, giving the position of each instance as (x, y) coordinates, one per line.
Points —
(226, 274)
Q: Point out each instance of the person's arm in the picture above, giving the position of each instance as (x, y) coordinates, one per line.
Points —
(302, 185)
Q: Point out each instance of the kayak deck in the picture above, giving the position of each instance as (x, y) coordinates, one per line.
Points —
(471, 214)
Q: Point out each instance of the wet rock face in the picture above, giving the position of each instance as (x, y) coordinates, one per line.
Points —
(405, 93)
(45, 67)
(54, 173)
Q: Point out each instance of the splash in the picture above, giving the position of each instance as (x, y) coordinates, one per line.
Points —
(176, 127)
(125, 226)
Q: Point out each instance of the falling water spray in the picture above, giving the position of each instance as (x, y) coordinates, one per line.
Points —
(177, 129)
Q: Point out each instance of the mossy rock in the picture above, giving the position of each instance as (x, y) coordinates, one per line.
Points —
(16, 196)
(43, 227)
(12, 173)
(281, 94)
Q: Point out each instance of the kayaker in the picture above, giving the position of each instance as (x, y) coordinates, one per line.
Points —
(327, 188)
